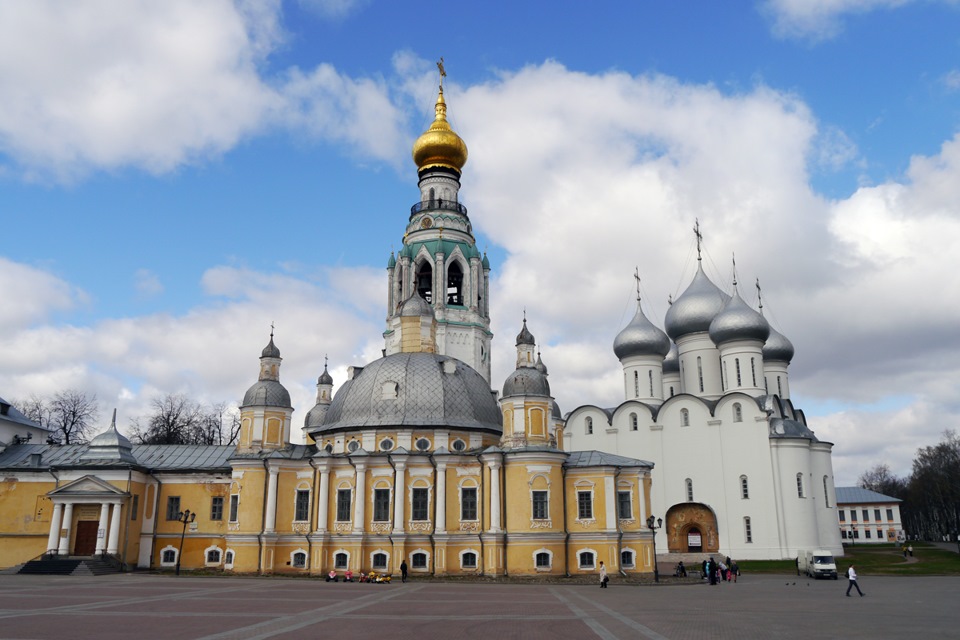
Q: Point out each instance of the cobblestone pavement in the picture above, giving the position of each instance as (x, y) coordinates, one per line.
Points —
(144, 607)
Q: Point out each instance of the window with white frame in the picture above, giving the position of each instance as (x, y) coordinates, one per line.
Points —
(459, 445)
(747, 530)
(468, 504)
(228, 559)
(800, 485)
(737, 412)
(422, 444)
(585, 505)
(299, 560)
(624, 505)
(341, 560)
(541, 505)
(543, 559)
(168, 556)
(212, 556)
(468, 560)
(343, 505)
(684, 418)
(301, 511)
(418, 560)
(216, 508)
(634, 422)
(627, 558)
(744, 488)
(381, 505)
(588, 425)
(379, 560)
(173, 507)
(352, 446)
(420, 497)
(688, 485)
(234, 507)
(586, 559)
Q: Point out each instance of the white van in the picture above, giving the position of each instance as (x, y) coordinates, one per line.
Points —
(818, 563)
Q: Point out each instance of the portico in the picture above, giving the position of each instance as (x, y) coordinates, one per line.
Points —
(86, 518)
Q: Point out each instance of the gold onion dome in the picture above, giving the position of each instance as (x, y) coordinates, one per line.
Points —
(440, 146)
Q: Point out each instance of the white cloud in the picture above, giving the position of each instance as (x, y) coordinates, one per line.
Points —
(31, 295)
(147, 283)
(334, 9)
(820, 19)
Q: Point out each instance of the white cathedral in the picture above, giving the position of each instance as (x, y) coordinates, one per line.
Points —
(737, 471)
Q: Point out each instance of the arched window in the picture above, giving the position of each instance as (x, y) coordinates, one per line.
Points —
(779, 387)
(586, 559)
(724, 376)
(626, 559)
(168, 556)
(213, 556)
(689, 486)
(228, 559)
(543, 560)
(455, 284)
(747, 530)
(753, 370)
(299, 560)
(379, 561)
(340, 560)
(650, 377)
(736, 361)
(418, 560)
(744, 488)
(800, 485)
(633, 422)
(684, 418)
(468, 560)
(425, 281)
(700, 372)
(588, 425)
(737, 412)
(826, 492)
(636, 384)
(671, 392)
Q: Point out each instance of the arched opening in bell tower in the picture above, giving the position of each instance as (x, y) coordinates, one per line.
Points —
(455, 284)
(425, 281)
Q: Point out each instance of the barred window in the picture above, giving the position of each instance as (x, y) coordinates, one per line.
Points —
(343, 505)
(421, 502)
(468, 503)
(540, 505)
(302, 506)
(584, 505)
(381, 505)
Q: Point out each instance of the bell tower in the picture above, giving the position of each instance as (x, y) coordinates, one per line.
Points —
(439, 260)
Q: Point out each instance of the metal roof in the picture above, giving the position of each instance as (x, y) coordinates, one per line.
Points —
(602, 459)
(159, 457)
(859, 495)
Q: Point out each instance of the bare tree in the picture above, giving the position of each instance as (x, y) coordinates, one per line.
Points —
(882, 480)
(35, 408)
(71, 415)
(176, 419)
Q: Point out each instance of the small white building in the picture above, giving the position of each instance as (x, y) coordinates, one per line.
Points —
(868, 517)
(16, 428)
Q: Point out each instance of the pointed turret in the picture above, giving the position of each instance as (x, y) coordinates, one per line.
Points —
(110, 446)
(266, 409)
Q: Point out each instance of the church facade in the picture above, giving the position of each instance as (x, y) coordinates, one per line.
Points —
(415, 459)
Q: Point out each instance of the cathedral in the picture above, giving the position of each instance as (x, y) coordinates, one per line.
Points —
(415, 459)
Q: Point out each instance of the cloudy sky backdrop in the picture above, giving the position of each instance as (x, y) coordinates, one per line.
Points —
(176, 176)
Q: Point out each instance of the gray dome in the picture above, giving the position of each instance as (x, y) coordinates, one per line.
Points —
(270, 351)
(109, 446)
(542, 368)
(738, 321)
(640, 338)
(416, 306)
(778, 347)
(315, 416)
(526, 381)
(671, 364)
(555, 412)
(525, 337)
(696, 307)
(415, 390)
(267, 393)
(786, 428)
(325, 377)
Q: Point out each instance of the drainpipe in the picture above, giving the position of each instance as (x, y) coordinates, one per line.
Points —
(566, 532)
(616, 513)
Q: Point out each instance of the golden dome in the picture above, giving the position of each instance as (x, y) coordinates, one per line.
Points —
(440, 146)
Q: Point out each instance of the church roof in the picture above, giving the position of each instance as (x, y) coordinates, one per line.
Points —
(602, 459)
(158, 457)
(859, 495)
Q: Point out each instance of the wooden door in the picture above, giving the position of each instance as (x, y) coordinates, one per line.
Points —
(86, 542)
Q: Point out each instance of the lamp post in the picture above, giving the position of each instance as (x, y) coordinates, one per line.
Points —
(853, 535)
(186, 517)
(654, 524)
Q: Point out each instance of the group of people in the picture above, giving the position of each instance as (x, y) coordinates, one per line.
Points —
(373, 576)
(717, 571)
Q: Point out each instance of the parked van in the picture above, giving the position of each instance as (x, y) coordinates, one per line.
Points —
(818, 563)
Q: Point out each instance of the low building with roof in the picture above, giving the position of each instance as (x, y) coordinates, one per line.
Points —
(868, 517)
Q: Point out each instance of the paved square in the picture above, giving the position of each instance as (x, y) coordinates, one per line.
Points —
(148, 607)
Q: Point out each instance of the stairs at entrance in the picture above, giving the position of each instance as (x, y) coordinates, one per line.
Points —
(71, 567)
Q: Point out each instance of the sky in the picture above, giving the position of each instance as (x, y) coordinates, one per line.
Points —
(176, 176)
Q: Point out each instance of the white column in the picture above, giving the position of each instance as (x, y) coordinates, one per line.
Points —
(113, 541)
(399, 498)
(323, 500)
(64, 548)
(271, 509)
(53, 540)
(610, 488)
(494, 496)
(102, 528)
(360, 498)
(441, 498)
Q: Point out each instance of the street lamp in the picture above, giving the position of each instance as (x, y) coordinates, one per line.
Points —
(853, 536)
(655, 524)
(186, 518)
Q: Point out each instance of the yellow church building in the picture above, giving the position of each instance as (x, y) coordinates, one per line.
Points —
(414, 459)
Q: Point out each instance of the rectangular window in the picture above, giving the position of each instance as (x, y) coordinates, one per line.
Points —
(421, 504)
(301, 511)
(843, 515)
(234, 507)
(747, 530)
(540, 509)
(866, 534)
(866, 515)
(876, 515)
(624, 505)
(343, 505)
(468, 503)
(381, 505)
(135, 507)
(584, 505)
(853, 515)
(216, 508)
(173, 507)
(890, 515)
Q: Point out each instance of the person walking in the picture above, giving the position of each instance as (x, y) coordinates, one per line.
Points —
(403, 571)
(603, 576)
(852, 575)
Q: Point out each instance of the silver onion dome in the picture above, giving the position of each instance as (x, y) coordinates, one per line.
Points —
(316, 416)
(526, 381)
(271, 350)
(267, 393)
(737, 321)
(415, 305)
(641, 338)
(525, 337)
(325, 377)
(671, 364)
(696, 307)
(778, 347)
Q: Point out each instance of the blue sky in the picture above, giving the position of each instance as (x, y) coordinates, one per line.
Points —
(174, 177)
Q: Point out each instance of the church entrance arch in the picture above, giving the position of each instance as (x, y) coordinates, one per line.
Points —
(692, 528)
